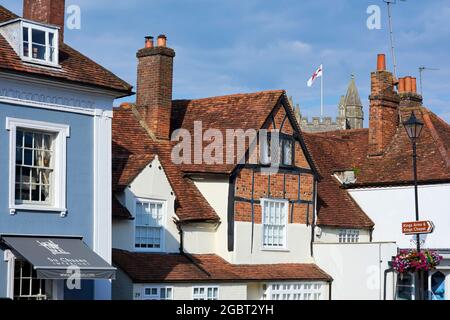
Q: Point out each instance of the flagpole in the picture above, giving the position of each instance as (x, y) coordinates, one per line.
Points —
(321, 94)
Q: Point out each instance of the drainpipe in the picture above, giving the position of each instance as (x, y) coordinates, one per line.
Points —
(330, 290)
(178, 223)
(390, 270)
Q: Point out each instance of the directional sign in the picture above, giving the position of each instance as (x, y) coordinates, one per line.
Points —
(419, 227)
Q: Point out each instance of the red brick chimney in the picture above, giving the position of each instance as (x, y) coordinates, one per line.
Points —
(408, 93)
(46, 11)
(154, 85)
(384, 108)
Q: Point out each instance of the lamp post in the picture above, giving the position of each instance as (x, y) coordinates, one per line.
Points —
(414, 128)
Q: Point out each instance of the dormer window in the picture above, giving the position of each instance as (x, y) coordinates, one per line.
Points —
(40, 44)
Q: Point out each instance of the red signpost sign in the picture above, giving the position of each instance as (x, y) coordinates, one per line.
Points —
(419, 227)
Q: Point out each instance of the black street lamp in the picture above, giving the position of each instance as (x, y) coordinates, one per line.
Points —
(414, 128)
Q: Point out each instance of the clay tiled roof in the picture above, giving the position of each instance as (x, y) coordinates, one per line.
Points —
(396, 167)
(335, 151)
(154, 268)
(238, 111)
(348, 150)
(133, 149)
(75, 67)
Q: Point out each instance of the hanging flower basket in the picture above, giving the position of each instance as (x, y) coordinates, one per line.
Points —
(410, 261)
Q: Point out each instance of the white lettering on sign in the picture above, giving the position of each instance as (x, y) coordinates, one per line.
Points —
(54, 248)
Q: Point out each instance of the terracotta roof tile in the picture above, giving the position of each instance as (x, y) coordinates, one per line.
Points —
(238, 111)
(347, 150)
(119, 211)
(133, 149)
(75, 67)
(154, 268)
(336, 151)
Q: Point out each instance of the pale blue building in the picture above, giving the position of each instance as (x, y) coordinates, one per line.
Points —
(55, 160)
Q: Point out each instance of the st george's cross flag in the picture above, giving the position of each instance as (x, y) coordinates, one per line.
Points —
(317, 74)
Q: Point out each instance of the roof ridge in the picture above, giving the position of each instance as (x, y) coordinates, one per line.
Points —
(280, 91)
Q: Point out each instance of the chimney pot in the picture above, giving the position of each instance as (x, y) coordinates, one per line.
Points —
(162, 41)
(149, 42)
(381, 62)
(408, 84)
(401, 85)
(414, 85)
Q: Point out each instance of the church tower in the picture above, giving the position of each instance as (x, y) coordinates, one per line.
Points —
(354, 113)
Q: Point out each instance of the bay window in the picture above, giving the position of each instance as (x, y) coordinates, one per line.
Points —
(275, 221)
(149, 231)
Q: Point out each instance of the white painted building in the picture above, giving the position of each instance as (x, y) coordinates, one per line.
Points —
(368, 174)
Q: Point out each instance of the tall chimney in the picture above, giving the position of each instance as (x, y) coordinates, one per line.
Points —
(154, 85)
(46, 11)
(384, 107)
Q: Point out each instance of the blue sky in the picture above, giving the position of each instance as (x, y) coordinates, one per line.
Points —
(232, 46)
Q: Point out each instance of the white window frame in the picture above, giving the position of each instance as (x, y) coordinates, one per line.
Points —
(347, 235)
(269, 291)
(47, 30)
(286, 214)
(205, 295)
(163, 227)
(61, 134)
(158, 295)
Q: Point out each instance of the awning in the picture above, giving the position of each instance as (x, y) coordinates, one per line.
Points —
(60, 258)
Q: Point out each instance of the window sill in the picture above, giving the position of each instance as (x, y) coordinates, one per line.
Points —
(62, 212)
(42, 63)
(276, 250)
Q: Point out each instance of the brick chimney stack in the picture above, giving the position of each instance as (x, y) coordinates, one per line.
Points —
(46, 11)
(408, 93)
(154, 85)
(384, 108)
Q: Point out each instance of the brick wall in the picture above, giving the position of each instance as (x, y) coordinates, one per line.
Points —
(384, 116)
(154, 88)
(46, 11)
(282, 185)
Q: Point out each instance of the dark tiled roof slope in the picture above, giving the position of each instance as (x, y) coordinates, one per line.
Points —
(75, 67)
(154, 268)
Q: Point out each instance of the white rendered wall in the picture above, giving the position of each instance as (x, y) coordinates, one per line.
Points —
(151, 184)
(215, 192)
(357, 269)
(389, 207)
(331, 235)
(298, 245)
(227, 291)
